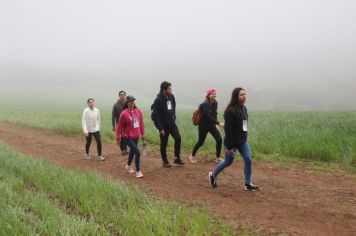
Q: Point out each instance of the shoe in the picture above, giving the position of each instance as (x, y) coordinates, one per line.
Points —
(101, 158)
(166, 165)
(87, 156)
(129, 169)
(179, 161)
(218, 159)
(139, 174)
(251, 187)
(192, 159)
(212, 180)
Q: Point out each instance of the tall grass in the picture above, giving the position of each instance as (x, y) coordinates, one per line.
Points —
(37, 198)
(317, 136)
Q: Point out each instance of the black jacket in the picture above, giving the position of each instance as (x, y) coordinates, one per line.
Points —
(234, 134)
(116, 112)
(210, 114)
(162, 117)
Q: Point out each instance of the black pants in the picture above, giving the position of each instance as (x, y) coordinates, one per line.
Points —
(97, 139)
(164, 141)
(203, 132)
(123, 144)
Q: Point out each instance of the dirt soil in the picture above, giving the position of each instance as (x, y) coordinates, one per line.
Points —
(294, 200)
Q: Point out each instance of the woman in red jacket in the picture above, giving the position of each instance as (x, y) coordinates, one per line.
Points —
(131, 127)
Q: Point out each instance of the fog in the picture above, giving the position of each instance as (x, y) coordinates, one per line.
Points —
(296, 55)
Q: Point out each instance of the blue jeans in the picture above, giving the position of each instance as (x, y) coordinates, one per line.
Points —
(134, 151)
(245, 152)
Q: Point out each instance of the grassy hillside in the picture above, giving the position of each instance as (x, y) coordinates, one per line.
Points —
(39, 199)
(310, 136)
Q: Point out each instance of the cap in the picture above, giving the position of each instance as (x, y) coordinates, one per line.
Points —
(210, 91)
(130, 98)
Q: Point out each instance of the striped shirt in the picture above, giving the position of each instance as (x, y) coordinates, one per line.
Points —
(91, 120)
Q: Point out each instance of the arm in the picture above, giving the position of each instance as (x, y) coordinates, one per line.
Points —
(229, 120)
(156, 111)
(119, 127)
(84, 123)
(113, 117)
(98, 121)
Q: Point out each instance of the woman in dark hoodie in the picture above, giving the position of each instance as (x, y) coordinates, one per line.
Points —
(236, 118)
(209, 124)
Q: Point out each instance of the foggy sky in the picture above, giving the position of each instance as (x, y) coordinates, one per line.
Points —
(258, 44)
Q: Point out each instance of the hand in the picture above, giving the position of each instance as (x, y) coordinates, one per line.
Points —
(118, 142)
(229, 152)
(113, 129)
(143, 138)
(86, 135)
(162, 133)
(221, 125)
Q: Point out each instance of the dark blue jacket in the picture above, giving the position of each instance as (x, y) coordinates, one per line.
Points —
(234, 134)
(161, 116)
(210, 114)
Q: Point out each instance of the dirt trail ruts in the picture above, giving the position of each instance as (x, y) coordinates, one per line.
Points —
(293, 200)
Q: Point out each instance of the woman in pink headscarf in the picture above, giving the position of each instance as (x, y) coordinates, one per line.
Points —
(209, 123)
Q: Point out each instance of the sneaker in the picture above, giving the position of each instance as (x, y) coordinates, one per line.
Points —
(179, 161)
(87, 156)
(101, 158)
(251, 187)
(192, 159)
(218, 159)
(166, 165)
(129, 169)
(212, 180)
(139, 174)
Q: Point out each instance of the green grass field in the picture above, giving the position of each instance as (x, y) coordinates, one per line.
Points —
(307, 136)
(40, 199)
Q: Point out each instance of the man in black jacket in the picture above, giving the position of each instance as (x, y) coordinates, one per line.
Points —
(116, 112)
(164, 118)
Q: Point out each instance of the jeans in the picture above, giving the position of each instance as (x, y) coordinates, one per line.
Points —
(245, 152)
(203, 132)
(164, 141)
(134, 151)
(97, 139)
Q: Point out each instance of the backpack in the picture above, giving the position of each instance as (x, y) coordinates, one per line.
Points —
(197, 115)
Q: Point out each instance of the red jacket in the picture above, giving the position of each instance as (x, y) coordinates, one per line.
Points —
(130, 124)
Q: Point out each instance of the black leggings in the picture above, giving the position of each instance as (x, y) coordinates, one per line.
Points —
(97, 139)
(203, 132)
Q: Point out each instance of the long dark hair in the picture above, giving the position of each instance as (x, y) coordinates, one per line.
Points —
(234, 104)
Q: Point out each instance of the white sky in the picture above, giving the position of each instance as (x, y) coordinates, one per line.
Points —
(266, 43)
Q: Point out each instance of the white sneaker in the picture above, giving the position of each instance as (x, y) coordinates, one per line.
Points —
(101, 158)
(139, 174)
(192, 159)
(87, 156)
(129, 169)
(218, 159)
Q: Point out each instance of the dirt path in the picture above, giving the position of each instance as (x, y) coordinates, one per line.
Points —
(294, 200)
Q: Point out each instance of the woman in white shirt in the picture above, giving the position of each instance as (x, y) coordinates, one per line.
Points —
(91, 127)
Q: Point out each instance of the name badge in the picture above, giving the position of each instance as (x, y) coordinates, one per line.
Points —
(244, 125)
(169, 105)
(136, 124)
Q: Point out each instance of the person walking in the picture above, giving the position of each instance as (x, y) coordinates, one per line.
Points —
(209, 123)
(91, 127)
(236, 121)
(116, 112)
(130, 127)
(164, 118)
